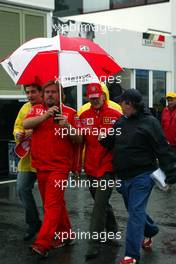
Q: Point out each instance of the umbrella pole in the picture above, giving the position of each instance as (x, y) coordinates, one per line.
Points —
(59, 81)
(60, 97)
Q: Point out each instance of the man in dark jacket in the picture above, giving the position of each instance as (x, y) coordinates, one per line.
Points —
(137, 151)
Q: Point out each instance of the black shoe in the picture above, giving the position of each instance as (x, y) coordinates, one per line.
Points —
(91, 254)
(114, 241)
(39, 251)
(29, 235)
(31, 232)
(67, 242)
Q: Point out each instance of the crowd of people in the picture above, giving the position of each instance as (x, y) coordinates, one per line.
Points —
(110, 141)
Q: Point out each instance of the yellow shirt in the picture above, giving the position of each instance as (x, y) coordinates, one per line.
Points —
(24, 164)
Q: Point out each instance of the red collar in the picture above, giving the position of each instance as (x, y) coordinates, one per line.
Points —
(102, 108)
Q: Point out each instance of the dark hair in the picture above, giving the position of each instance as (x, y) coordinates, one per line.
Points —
(53, 82)
(134, 97)
(39, 88)
(162, 101)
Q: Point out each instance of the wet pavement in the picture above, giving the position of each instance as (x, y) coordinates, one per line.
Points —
(13, 250)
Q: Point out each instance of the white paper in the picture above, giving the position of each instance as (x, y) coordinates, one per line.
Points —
(159, 177)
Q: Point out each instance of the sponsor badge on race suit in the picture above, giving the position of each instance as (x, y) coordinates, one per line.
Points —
(109, 120)
(89, 121)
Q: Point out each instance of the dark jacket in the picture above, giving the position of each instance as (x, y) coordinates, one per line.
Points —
(139, 146)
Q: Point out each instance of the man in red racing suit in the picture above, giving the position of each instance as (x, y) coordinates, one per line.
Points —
(98, 164)
(52, 153)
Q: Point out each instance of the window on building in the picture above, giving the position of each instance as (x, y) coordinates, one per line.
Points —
(16, 27)
(68, 7)
(85, 99)
(125, 3)
(71, 96)
(10, 40)
(93, 6)
(34, 27)
(115, 4)
(125, 79)
(156, 1)
(142, 84)
(159, 86)
(76, 7)
(159, 92)
(8, 113)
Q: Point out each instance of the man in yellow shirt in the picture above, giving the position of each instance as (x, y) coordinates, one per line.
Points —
(26, 176)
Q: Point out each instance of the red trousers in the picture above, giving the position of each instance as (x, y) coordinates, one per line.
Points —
(55, 213)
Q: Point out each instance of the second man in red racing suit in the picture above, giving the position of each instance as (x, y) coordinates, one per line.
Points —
(98, 164)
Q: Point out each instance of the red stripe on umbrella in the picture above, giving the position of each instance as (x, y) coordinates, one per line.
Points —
(41, 68)
(80, 61)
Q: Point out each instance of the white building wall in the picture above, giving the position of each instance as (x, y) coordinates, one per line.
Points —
(173, 16)
(126, 47)
(41, 4)
(148, 18)
(139, 18)
(49, 24)
(173, 3)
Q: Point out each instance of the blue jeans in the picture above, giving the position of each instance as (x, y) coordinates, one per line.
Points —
(25, 184)
(136, 192)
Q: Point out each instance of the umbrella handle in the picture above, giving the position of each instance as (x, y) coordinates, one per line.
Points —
(60, 98)
(60, 94)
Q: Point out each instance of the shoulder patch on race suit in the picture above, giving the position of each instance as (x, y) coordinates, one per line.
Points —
(113, 120)
(87, 121)
(109, 120)
(83, 121)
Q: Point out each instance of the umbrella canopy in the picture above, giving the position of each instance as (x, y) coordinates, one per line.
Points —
(71, 60)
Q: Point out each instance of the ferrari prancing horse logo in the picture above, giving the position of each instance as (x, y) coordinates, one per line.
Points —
(84, 48)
